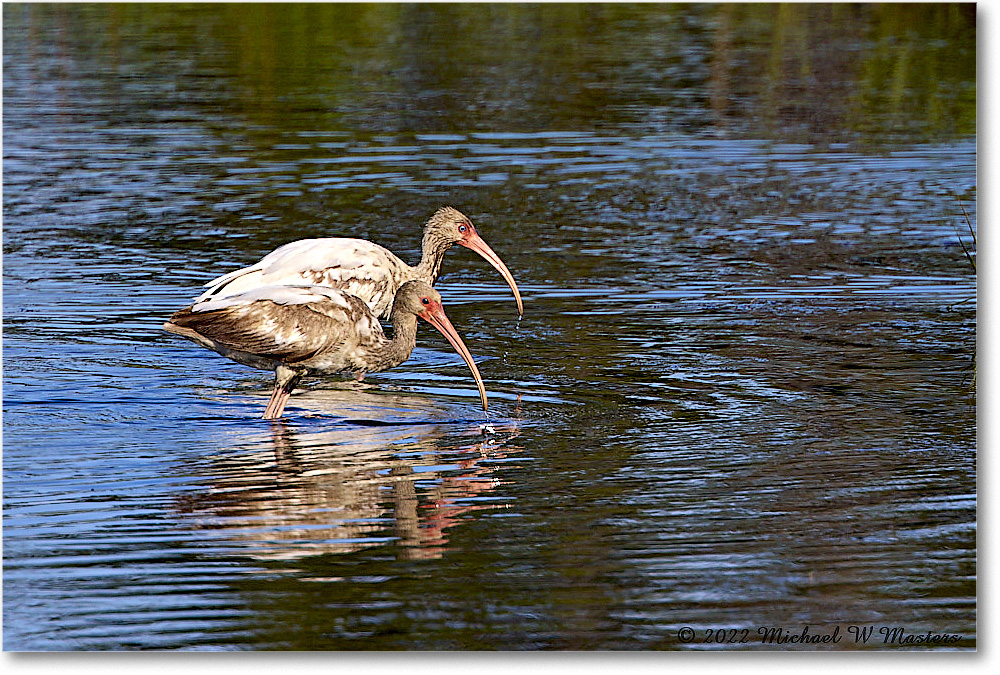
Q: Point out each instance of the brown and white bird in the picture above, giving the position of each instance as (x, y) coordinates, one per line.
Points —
(359, 267)
(314, 330)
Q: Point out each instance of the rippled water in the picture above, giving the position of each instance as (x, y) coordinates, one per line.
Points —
(742, 394)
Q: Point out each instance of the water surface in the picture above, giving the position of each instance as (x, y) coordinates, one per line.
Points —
(742, 394)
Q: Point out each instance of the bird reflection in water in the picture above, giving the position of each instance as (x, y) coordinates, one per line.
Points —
(352, 485)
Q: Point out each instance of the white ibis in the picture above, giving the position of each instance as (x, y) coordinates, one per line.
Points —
(302, 330)
(359, 267)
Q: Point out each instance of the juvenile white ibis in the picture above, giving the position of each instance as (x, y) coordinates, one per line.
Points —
(359, 267)
(302, 330)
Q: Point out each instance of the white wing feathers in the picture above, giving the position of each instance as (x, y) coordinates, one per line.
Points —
(354, 266)
(278, 294)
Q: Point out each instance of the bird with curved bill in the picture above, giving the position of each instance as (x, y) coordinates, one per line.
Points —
(314, 330)
(360, 267)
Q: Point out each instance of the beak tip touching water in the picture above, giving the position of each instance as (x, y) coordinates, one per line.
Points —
(435, 316)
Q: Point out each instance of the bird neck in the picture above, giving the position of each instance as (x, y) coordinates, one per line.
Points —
(404, 338)
(432, 252)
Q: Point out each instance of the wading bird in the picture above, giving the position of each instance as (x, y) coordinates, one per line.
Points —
(359, 267)
(314, 330)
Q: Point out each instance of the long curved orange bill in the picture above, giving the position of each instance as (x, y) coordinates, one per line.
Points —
(435, 316)
(475, 242)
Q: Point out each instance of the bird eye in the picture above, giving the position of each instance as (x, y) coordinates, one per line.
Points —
(426, 301)
(463, 227)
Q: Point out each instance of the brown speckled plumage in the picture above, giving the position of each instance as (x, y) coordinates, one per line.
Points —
(300, 330)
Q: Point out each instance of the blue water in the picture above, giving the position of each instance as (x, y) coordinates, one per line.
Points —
(742, 394)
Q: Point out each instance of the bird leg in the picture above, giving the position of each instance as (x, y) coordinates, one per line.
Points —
(285, 380)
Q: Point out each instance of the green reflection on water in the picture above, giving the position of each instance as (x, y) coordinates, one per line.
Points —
(797, 71)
